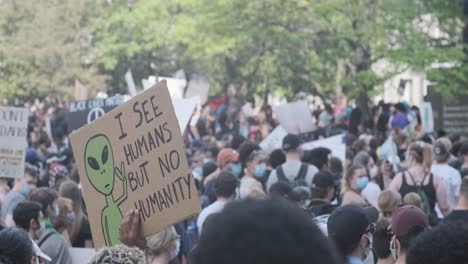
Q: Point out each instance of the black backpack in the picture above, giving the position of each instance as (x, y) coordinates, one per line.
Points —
(299, 180)
(426, 207)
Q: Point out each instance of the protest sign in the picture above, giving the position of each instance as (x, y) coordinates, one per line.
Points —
(13, 143)
(184, 109)
(198, 86)
(295, 117)
(274, 140)
(133, 158)
(81, 255)
(427, 117)
(84, 112)
(336, 144)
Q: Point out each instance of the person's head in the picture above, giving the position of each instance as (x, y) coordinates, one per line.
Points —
(292, 145)
(47, 198)
(365, 160)
(225, 185)
(208, 168)
(262, 231)
(255, 164)
(28, 216)
(164, 242)
(118, 254)
(420, 154)
(442, 148)
(317, 157)
(350, 228)
(413, 199)
(356, 179)
(464, 151)
(388, 201)
(336, 166)
(280, 189)
(15, 247)
(277, 157)
(228, 160)
(446, 243)
(381, 239)
(30, 176)
(69, 189)
(66, 215)
(407, 223)
(323, 186)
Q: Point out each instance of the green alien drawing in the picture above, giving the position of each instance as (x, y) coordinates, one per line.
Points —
(99, 164)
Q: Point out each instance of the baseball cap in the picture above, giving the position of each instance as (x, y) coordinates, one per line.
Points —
(323, 179)
(38, 252)
(227, 155)
(407, 217)
(291, 142)
(442, 149)
(347, 224)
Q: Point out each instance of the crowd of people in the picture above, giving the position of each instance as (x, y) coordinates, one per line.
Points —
(400, 195)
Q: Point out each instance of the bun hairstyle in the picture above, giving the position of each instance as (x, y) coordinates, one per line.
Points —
(421, 153)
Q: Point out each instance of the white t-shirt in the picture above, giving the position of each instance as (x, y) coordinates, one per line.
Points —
(245, 187)
(291, 170)
(451, 179)
(213, 208)
(371, 194)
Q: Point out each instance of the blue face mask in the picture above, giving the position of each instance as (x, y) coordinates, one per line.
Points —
(260, 170)
(362, 183)
(70, 218)
(236, 169)
(25, 190)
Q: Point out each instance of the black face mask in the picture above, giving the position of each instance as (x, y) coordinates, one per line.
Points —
(401, 154)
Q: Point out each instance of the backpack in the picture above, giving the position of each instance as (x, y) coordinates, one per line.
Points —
(299, 180)
(425, 206)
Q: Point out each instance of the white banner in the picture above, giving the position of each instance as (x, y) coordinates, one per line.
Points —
(13, 143)
(335, 144)
(295, 117)
(427, 117)
(184, 109)
(274, 140)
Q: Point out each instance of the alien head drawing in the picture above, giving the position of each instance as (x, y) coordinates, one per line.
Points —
(99, 164)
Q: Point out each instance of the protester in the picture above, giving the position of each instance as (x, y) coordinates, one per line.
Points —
(255, 168)
(51, 241)
(381, 242)
(460, 212)
(163, 247)
(350, 228)
(385, 174)
(407, 223)
(118, 254)
(419, 179)
(21, 188)
(353, 184)
(372, 191)
(323, 192)
(262, 231)
(319, 157)
(450, 177)
(412, 199)
(276, 158)
(225, 188)
(444, 244)
(388, 202)
(293, 170)
(28, 216)
(464, 156)
(15, 247)
(65, 217)
(79, 230)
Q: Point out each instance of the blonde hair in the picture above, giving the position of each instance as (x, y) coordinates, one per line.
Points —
(421, 152)
(69, 189)
(346, 180)
(387, 202)
(118, 254)
(412, 198)
(156, 243)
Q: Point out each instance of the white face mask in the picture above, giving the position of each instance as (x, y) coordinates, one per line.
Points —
(393, 251)
(373, 172)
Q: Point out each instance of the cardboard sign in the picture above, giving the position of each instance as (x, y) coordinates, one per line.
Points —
(335, 144)
(81, 255)
(274, 140)
(427, 117)
(133, 158)
(13, 143)
(84, 112)
(295, 117)
(184, 109)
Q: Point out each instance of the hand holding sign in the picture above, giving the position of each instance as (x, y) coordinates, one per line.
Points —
(139, 143)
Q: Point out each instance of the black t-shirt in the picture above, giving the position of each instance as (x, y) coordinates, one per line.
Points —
(463, 172)
(457, 215)
(317, 208)
(84, 234)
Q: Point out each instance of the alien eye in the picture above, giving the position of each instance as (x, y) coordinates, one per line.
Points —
(93, 163)
(104, 155)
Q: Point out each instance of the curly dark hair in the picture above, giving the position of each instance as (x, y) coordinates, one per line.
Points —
(271, 231)
(447, 243)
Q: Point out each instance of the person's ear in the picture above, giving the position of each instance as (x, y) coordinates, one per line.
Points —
(33, 224)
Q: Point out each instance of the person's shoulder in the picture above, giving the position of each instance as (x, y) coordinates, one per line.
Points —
(456, 215)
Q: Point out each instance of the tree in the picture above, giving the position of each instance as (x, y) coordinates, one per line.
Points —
(45, 47)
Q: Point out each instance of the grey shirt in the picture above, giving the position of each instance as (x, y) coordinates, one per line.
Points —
(291, 170)
(56, 248)
(12, 199)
